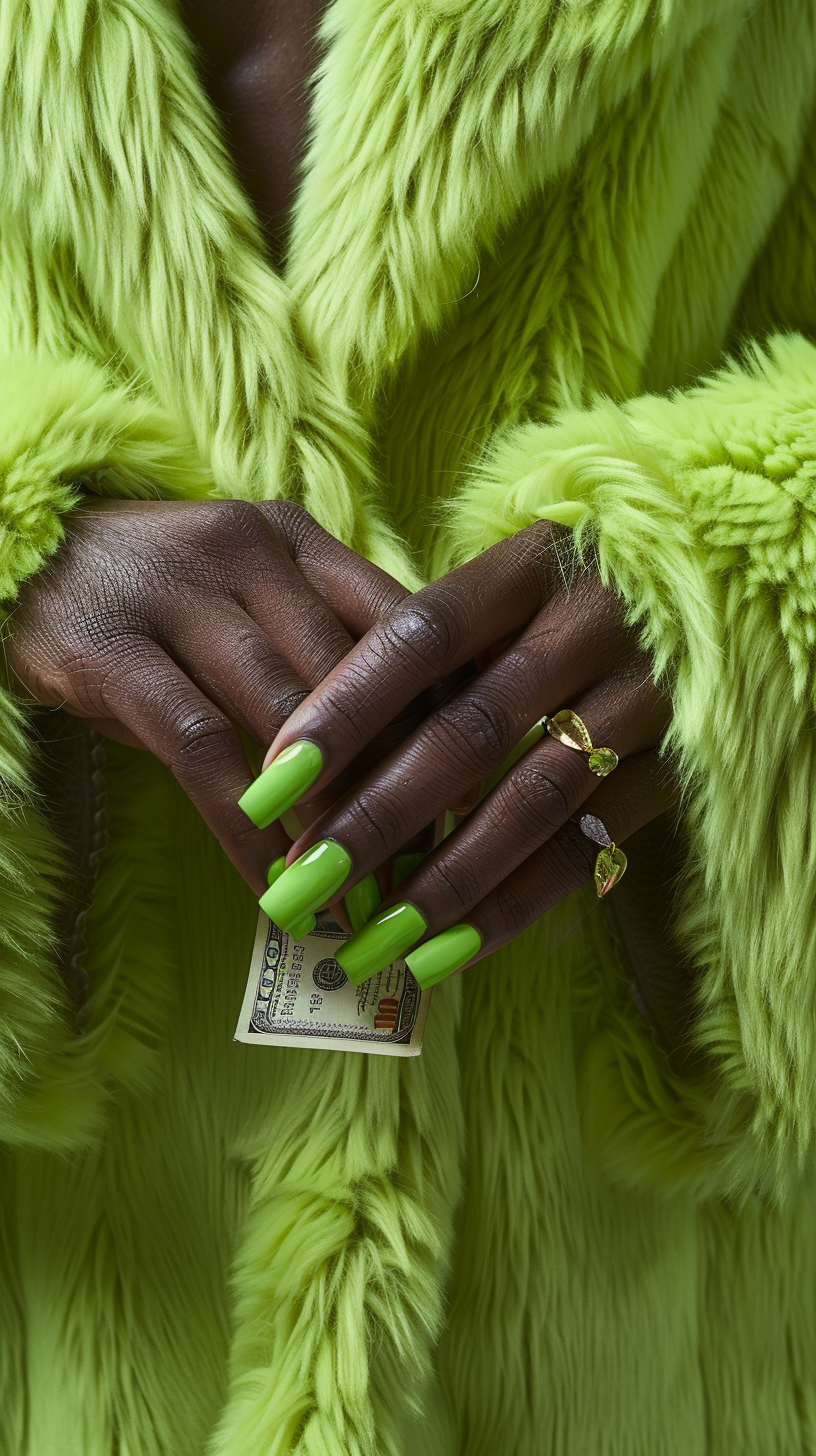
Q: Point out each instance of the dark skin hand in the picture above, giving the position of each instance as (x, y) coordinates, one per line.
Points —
(165, 625)
(520, 850)
(256, 58)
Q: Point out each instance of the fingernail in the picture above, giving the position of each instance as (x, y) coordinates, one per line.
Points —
(282, 784)
(404, 865)
(443, 955)
(302, 927)
(361, 901)
(276, 869)
(307, 883)
(380, 942)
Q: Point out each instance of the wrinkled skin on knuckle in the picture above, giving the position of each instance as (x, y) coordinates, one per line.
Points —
(369, 826)
(453, 882)
(289, 521)
(284, 705)
(533, 564)
(61, 644)
(422, 633)
(223, 544)
(118, 676)
(539, 796)
(35, 675)
(546, 560)
(477, 733)
(222, 518)
(204, 739)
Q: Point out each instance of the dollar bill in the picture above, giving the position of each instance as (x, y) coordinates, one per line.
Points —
(297, 995)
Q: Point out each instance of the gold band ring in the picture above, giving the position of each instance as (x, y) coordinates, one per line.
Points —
(571, 730)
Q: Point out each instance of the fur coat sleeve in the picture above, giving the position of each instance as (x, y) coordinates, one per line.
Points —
(700, 509)
(147, 346)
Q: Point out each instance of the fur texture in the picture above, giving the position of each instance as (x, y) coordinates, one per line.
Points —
(700, 510)
(536, 1239)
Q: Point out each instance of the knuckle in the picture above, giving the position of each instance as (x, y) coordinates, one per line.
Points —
(346, 706)
(289, 519)
(542, 794)
(479, 731)
(225, 525)
(38, 680)
(429, 633)
(202, 740)
(286, 703)
(234, 514)
(375, 820)
(453, 881)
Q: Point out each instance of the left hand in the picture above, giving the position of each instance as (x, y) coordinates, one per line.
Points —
(563, 643)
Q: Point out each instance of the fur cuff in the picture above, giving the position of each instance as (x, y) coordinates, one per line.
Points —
(59, 422)
(701, 509)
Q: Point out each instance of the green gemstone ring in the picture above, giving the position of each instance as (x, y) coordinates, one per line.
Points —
(572, 731)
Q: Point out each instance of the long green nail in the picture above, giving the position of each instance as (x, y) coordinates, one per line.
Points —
(276, 869)
(380, 942)
(302, 927)
(404, 865)
(443, 955)
(307, 883)
(282, 784)
(361, 901)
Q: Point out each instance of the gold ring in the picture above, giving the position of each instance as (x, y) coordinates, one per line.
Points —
(610, 866)
(570, 730)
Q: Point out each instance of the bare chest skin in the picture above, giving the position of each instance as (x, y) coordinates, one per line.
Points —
(256, 60)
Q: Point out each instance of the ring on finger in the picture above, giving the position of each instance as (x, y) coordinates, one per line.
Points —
(610, 866)
(572, 731)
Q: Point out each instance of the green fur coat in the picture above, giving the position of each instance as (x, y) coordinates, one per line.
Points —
(550, 258)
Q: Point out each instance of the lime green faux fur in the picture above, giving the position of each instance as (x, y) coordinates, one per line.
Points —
(62, 420)
(702, 512)
(506, 210)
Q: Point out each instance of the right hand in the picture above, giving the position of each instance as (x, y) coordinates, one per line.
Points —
(166, 624)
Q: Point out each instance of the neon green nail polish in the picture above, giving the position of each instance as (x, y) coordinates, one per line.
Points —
(380, 942)
(282, 784)
(276, 869)
(307, 883)
(361, 901)
(443, 955)
(302, 927)
(404, 865)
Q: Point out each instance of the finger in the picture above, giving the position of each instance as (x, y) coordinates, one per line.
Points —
(151, 696)
(529, 805)
(302, 627)
(355, 590)
(640, 790)
(227, 655)
(476, 730)
(426, 637)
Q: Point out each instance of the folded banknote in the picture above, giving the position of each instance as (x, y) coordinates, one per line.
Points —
(297, 995)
